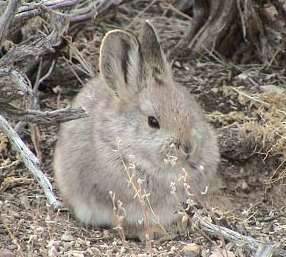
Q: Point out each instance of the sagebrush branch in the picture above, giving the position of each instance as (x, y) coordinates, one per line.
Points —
(30, 161)
(25, 55)
(21, 82)
(43, 117)
(237, 238)
(82, 9)
(7, 18)
(15, 64)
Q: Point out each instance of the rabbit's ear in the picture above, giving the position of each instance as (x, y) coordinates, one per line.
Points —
(120, 62)
(151, 50)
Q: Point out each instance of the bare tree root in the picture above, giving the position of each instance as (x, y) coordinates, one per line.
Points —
(235, 29)
(261, 249)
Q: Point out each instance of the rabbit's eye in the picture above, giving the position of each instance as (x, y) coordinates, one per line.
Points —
(153, 122)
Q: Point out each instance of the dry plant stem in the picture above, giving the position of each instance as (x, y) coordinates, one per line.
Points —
(35, 116)
(255, 99)
(25, 55)
(21, 81)
(34, 9)
(264, 251)
(35, 105)
(52, 4)
(6, 19)
(45, 117)
(83, 10)
(267, 250)
(211, 22)
(94, 8)
(30, 161)
(234, 29)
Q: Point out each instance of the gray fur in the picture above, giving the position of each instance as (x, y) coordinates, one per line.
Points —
(135, 82)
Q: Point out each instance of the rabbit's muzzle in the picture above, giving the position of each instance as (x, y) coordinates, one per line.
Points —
(186, 151)
(183, 152)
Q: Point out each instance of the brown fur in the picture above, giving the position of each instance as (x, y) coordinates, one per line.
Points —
(95, 155)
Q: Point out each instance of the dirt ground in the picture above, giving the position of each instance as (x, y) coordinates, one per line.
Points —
(246, 104)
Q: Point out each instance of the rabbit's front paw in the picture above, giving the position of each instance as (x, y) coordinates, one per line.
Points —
(152, 232)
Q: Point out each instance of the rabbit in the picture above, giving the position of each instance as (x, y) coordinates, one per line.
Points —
(145, 146)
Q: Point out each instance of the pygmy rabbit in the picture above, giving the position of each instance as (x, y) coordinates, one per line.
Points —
(145, 146)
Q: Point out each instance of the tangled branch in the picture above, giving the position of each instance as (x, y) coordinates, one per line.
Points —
(22, 58)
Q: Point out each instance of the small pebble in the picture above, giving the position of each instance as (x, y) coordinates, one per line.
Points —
(214, 90)
(242, 76)
(67, 237)
(177, 64)
(142, 255)
(244, 185)
(192, 250)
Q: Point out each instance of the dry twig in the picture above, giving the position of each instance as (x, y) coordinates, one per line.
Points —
(14, 64)
(82, 10)
(24, 56)
(44, 117)
(6, 19)
(21, 81)
(30, 161)
(263, 249)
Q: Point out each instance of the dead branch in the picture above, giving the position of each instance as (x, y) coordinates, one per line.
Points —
(82, 9)
(211, 21)
(22, 58)
(6, 19)
(30, 161)
(43, 117)
(265, 249)
(15, 64)
(27, 53)
(35, 105)
(21, 82)
(236, 29)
